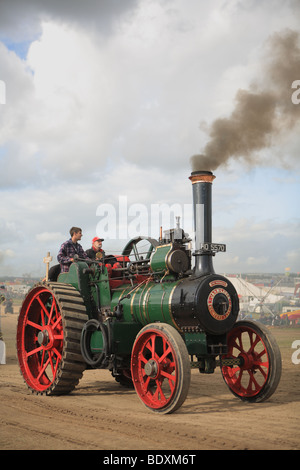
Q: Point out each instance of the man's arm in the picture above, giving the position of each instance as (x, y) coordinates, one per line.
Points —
(82, 253)
(63, 254)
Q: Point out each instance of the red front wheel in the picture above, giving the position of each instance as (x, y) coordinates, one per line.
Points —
(257, 376)
(48, 338)
(160, 368)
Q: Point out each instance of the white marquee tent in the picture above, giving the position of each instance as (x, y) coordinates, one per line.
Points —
(251, 295)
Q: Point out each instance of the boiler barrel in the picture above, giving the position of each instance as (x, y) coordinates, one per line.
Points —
(209, 303)
(148, 303)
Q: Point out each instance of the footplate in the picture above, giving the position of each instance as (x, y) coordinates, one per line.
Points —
(229, 362)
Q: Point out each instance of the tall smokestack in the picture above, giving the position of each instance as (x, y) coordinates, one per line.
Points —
(202, 190)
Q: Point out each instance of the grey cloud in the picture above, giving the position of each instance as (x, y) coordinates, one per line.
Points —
(21, 21)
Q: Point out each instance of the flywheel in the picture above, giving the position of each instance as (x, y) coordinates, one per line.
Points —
(48, 338)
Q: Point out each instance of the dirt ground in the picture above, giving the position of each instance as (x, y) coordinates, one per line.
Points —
(102, 415)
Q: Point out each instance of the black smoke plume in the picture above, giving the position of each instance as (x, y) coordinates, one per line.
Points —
(261, 114)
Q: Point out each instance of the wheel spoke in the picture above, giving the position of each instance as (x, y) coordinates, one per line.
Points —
(261, 370)
(58, 354)
(142, 357)
(34, 351)
(57, 321)
(262, 353)
(253, 385)
(147, 382)
(168, 375)
(43, 310)
(253, 343)
(34, 325)
(159, 395)
(43, 357)
(238, 380)
(167, 350)
(171, 380)
(151, 345)
(236, 345)
(59, 336)
(45, 364)
(53, 359)
(53, 307)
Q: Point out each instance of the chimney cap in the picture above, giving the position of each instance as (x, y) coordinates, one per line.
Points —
(201, 172)
(202, 177)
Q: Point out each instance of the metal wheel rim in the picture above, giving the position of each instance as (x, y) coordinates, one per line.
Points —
(248, 379)
(155, 374)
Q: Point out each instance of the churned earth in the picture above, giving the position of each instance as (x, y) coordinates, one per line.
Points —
(100, 414)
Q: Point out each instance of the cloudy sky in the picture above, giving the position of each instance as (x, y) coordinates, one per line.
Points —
(104, 102)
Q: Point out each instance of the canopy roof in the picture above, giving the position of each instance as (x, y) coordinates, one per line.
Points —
(247, 289)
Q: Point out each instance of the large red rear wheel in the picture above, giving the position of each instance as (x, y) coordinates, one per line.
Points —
(48, 338)
(257, 376)
(160, 368)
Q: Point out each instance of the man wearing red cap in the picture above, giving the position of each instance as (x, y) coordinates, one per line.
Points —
(96, 251)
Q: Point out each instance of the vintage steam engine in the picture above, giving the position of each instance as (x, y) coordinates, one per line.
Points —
(148, 318)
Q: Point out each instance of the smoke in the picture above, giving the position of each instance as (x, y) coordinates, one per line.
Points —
(261, 114)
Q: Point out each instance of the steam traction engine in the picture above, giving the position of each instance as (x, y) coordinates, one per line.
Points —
(149, 319)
